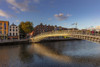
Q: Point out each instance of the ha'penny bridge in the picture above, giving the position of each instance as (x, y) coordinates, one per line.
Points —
(84, 35)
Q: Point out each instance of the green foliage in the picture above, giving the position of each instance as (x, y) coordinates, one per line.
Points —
(25, 27)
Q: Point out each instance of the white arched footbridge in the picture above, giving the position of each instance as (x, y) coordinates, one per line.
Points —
(68, 33)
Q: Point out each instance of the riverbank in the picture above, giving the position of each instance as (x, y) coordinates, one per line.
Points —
(60, 39)
(5, 42)
(11, 42)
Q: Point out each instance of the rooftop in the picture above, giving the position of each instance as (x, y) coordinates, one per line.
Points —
(13, 24)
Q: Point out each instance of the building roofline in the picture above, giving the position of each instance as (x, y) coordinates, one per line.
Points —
(13, 24)
(4, 21)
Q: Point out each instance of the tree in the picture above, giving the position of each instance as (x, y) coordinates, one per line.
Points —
(25, 27)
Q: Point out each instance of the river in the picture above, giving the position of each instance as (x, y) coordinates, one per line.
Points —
(76, 53)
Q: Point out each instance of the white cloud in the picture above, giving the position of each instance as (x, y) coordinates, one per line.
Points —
(68, 15)
(4, 14)
(17, 20)
(61, 16)
(49, 18)
(16, 10)
(36, 1)
(20, 6)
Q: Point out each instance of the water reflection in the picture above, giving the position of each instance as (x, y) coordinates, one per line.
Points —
(52, 54)
(56, 52)
(24, 55)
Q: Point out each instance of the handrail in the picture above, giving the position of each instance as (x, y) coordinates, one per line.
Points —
(69, 32)
(72, 32)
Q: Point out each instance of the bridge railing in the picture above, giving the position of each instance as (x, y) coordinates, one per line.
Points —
(83, 32)
(71, 32)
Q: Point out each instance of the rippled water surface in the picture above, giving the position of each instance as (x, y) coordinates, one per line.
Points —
(77, 53)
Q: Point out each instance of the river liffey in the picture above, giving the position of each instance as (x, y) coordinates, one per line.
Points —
(77, 53)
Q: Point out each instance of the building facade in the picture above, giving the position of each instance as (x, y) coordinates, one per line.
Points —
(42, 28)
(46, 28)
(4, 28)
(13, 31)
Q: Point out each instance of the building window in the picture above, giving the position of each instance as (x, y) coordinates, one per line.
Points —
(5, 32)
(0, 23)
(10, 34)
(5, 26)
(13, 34)
(10, 29)
(0, 32)
(0, 28)
(16, 29)
(16, 34)
(13, 30)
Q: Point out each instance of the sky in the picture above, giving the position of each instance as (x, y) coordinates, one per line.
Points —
(54, 12)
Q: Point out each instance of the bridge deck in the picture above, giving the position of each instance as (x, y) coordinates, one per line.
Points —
(78, 35)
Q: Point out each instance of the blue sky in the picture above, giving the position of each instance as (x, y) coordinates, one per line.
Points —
(54, 12)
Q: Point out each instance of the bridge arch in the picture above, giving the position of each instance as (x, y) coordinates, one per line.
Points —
(73, 34)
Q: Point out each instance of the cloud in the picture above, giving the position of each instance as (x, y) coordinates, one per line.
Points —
(15, 9)
(0, 1)
(36, 1)
(65, 23)
(19, 6)
(17, 20)
(49, 19)
(61, 16)
(68, 15)
(4, 14)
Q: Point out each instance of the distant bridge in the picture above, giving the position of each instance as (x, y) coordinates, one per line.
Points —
(69, 33)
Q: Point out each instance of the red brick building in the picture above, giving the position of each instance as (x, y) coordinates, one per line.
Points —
(42, 28)
(46, 28)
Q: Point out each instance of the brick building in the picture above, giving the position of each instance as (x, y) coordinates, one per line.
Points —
(42, 28)
(46, 28)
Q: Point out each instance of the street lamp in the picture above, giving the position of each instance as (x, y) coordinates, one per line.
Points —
(75, 25)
